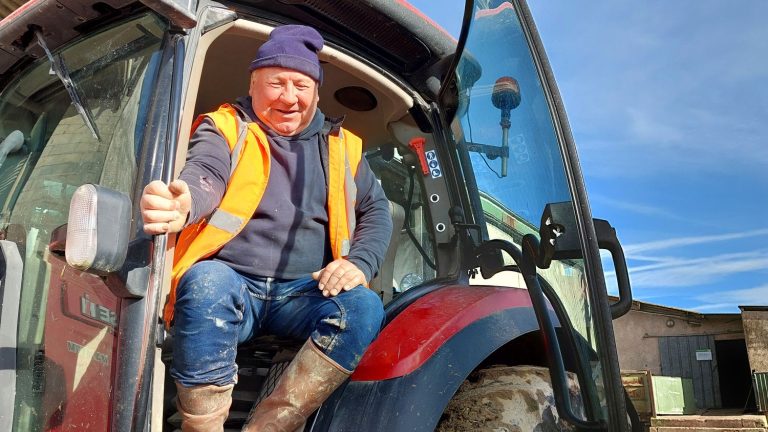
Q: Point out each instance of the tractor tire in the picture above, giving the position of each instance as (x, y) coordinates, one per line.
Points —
(508, 399)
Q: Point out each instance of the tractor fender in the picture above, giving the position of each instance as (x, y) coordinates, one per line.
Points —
(409, 374)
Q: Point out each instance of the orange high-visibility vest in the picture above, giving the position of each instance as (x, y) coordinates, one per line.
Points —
(248, 178)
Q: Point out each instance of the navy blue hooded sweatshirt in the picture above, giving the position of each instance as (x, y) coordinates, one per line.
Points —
(287, 237)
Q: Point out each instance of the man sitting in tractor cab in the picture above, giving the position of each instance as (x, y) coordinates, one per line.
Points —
(282, 225)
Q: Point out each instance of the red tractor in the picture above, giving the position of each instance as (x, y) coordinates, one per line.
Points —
(497, 311)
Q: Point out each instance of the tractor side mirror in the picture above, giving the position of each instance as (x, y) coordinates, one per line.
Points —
(559, 237)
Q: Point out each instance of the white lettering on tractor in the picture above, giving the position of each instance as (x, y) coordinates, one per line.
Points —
(96, 311)
(76, 348)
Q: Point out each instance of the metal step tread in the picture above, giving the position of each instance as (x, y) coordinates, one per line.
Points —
(742, 421)
(245, 395)
(234, 416)
(704, 429)
(225, 430)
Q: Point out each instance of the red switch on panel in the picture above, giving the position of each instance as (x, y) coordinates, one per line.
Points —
(417, 144)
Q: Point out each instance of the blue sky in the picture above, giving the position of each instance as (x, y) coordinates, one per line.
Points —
(668, 103)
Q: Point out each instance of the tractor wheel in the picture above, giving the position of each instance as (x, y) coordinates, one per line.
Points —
(508, 399)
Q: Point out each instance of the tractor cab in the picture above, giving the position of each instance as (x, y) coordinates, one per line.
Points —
(494, 259)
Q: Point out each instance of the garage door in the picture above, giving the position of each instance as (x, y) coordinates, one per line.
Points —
(693, 357)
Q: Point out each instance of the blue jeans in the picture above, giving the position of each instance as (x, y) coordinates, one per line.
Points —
(218, 308)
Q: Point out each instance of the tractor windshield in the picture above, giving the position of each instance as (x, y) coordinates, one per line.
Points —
(509, 146)
(59, 325)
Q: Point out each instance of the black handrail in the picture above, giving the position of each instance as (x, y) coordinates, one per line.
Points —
(607, 239)
(528, 259)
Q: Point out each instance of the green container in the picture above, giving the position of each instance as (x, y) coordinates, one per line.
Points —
(673, 395)
(760, 387)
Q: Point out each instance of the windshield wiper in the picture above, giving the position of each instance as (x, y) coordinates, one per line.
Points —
(59, 68)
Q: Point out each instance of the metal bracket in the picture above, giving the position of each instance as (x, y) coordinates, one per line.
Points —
(491, 151)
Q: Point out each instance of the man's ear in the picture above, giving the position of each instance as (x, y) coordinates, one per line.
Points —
(252, 82)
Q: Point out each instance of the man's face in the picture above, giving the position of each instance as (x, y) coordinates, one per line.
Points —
(284, 99)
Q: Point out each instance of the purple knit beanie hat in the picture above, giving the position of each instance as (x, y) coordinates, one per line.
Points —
(292, 47)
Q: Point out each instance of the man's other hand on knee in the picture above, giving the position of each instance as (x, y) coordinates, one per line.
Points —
(339, 275)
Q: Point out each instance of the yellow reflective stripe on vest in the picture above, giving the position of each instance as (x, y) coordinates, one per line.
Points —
(226, 221)
(237, 150)
(350, 199)
(354, 153)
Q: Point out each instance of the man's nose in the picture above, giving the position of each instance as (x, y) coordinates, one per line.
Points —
(289, 94)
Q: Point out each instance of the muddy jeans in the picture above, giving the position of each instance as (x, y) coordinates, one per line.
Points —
(218, 308)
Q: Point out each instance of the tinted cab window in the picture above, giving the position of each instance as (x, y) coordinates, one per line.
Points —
(66, 321)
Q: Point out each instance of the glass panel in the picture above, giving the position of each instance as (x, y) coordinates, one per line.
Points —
(415, 255)
(67, 320)
(509, 149)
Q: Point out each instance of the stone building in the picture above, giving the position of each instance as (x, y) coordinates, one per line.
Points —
(718, 352)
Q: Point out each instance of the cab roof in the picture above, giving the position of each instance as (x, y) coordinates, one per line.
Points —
(390, 34)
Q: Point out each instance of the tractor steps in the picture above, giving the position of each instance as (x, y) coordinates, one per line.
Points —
(709, 423)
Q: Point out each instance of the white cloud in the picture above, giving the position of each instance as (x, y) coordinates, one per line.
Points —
(714, 308)
(632, 249)
(677, 271)
(672, 276)
(634, 207)
(697, 271)
(656, 259)
(671, 262)
(659, 88)
(645, 126)
(757, 296)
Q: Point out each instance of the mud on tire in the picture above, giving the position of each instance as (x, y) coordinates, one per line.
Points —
(508, 399)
